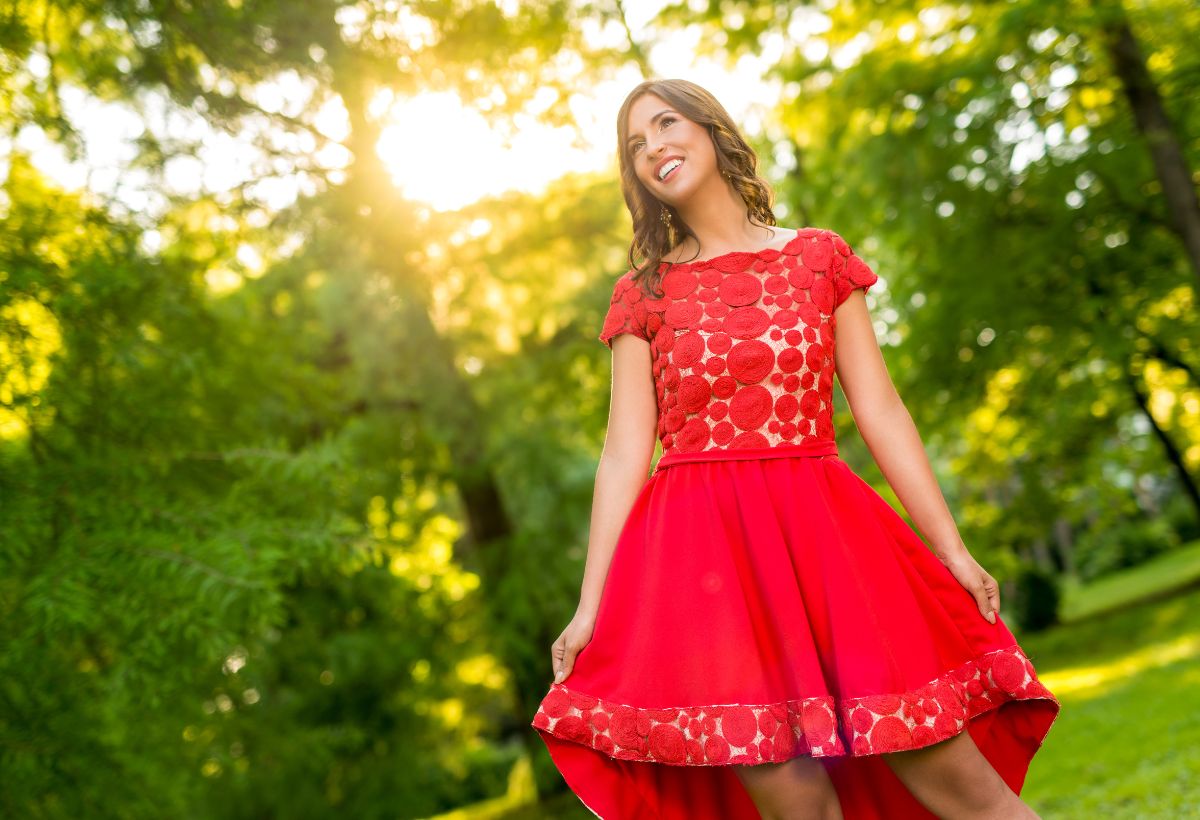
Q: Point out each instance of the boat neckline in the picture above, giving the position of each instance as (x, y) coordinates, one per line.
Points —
(767, 254)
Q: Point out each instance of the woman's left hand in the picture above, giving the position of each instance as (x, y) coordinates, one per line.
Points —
(976, 580)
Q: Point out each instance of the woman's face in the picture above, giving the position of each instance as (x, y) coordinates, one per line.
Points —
(661, 140)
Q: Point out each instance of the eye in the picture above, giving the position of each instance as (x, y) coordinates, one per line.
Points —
(661, 124)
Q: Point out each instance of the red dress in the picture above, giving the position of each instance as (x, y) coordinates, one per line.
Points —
(763, 601)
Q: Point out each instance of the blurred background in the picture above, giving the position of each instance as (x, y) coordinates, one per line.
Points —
(301, 396)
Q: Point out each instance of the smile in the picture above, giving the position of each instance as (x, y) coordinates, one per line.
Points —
(668, 169)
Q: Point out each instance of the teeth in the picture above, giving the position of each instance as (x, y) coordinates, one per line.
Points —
(666, 169)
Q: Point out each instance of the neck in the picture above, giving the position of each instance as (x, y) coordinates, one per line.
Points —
(720, 220)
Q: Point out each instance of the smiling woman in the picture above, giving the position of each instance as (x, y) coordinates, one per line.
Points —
(758, 631)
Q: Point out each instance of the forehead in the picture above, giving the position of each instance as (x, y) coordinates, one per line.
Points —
(643, 108)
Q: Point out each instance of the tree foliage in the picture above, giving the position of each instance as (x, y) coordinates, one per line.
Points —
(293, 500)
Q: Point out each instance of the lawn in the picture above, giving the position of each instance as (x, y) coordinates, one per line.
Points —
(1127, 742)
(1164, 576)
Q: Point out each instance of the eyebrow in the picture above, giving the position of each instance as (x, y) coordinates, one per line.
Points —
(653, 120)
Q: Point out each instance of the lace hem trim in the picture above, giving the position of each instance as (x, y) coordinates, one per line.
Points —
(726, 734)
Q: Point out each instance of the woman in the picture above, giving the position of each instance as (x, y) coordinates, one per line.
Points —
(773, 639)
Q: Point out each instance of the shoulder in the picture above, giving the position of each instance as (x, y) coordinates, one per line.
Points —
(623, 284)
(839, 243)
(822, 235)
(852, 268)
(629, 292)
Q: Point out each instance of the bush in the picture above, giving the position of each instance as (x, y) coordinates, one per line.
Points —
(1180, 515)
(1037, 598)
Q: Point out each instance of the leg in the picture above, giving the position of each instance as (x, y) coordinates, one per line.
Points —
(952, 778)
(797, 789)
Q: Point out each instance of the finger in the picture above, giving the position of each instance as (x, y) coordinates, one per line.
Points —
(565, 668)
(993, 592)
(985, 605)
(556, 653)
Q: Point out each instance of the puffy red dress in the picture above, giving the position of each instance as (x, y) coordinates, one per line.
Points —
(763, 601)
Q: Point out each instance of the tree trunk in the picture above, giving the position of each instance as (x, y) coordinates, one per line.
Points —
(1040, 551)
(1174, 455)
(1064, 540)
(448, 404)
(1150, 116)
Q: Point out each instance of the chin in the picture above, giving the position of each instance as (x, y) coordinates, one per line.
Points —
(680, 192)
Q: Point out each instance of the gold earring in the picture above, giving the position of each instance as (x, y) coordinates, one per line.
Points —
(665, 216)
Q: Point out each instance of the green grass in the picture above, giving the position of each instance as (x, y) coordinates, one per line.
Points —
(1126, 667)
(1177, 569)
(1127, 742)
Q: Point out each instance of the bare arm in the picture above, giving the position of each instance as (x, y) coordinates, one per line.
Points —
(887, 428)
(620, 476)
(891, 436)
(624, 461)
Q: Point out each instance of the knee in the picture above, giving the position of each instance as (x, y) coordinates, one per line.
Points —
(797, 790)
(952, 779)
(817, 811)
(819, 806)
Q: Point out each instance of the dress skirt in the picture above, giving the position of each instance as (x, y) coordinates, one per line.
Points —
(764, 604)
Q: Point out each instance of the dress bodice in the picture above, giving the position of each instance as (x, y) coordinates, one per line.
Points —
(742, 344)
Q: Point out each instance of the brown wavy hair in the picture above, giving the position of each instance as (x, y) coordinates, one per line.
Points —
(652, 239)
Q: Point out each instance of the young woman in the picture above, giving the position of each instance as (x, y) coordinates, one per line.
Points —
(773, 639)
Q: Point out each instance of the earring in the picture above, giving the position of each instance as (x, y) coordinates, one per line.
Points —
(665, 216)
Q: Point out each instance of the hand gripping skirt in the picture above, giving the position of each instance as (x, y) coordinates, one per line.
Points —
(767, 603)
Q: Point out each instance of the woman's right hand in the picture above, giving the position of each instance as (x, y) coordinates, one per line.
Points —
(574, 638)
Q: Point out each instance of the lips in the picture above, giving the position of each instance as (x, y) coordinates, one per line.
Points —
(659, 165)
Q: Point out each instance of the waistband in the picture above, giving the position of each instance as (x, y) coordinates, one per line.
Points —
(807, 448)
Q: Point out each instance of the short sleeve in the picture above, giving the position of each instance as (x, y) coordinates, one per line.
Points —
(853, 273)
(626, 311)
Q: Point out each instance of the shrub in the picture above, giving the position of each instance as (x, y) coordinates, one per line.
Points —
(1037, 598)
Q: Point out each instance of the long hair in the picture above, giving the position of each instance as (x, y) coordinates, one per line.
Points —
(652, 238)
